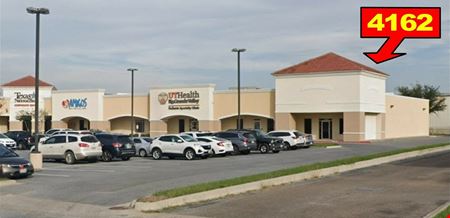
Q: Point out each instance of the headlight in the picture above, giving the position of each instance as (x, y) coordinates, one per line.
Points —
(6, 165)
(29, 164)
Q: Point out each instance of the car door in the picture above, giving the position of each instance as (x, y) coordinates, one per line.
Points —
(46, 147)
(59, 148)
(176, 147)
(164, 143)
(137, 144)
(72, 144)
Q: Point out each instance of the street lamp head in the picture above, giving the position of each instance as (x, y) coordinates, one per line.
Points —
(132, 69)
(33, 10)
(238, 49)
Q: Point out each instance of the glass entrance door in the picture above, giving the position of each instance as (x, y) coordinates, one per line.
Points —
(325, 129)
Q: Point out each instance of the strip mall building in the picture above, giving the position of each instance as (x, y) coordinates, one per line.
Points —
(329, 96)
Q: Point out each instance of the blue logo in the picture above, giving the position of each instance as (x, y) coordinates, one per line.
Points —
(75, 103)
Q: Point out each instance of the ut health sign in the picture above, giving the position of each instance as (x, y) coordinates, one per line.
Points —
(192, 101)
(75, 103)
(180, 100)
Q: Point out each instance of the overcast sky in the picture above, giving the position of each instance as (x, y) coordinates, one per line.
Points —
(90, 43)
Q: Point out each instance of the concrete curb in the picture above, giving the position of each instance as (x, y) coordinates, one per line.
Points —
(435, 212)
(254, 186)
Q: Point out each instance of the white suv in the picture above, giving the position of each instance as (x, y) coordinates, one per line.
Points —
(198, 134)
(71, 148)
(179, 145)
(292, 138)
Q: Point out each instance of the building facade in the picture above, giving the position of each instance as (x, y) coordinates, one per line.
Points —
(330, 97)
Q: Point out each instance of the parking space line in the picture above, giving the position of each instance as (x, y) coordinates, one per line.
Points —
(54, 175)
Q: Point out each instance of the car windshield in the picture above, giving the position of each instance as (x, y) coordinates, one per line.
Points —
(2, 136)
(188, 138)
(297, 134)
(5, 152)
(148, 140)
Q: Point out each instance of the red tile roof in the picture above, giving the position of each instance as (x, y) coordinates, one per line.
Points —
(329, 62)
(26, 81)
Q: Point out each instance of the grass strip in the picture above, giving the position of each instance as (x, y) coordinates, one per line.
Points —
(170, 193)
(443, 214)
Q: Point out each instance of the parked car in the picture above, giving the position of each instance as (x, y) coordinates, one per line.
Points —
(179, 145)
(23, 139)
(219, 146)
(142, 146)
(198, 134)
(12, 165)
(116, 145)
(5, 140)
(71, 148)
(242, 142)
(292, 139)
(264, 143)
(51, 131)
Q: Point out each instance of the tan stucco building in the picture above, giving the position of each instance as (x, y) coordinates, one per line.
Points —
(330, 97)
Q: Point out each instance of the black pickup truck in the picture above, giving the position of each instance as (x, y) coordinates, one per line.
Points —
(264, 142)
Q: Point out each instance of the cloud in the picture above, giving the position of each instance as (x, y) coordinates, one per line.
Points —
(90, 44)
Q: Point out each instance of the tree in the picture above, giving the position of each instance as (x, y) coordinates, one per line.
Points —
(437, 103)
(27, 116)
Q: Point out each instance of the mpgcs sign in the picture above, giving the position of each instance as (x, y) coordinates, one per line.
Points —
(75, 103)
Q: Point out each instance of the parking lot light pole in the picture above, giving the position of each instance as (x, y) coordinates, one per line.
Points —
(38, 12)
(132, 99)
(238, 51)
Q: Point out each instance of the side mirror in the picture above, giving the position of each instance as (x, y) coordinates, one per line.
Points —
(179, 141)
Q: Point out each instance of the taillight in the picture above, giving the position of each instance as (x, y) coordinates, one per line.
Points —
(83, 145)
(117, 145)
(220, 144)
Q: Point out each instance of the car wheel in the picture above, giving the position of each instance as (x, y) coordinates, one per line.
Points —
(69, 157)
(21, 146)
(142, 153)
(263, 149)
(245, 152)
(189, 154)
(156, 154)
(106, 156)
(235, 149)
(287, 146)
(125, 158)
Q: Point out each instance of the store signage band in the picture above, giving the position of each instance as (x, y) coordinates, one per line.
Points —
(180, 100)
(75, 103)
(22, 99)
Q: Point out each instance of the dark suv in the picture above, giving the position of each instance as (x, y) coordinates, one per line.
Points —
(116, 145)
(22, 138)
(264, 142)
(242, 142)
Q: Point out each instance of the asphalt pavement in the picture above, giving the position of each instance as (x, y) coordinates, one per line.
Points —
(118, 182)
(408, 188)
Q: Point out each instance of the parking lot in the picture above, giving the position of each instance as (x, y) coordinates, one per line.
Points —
(119, 182)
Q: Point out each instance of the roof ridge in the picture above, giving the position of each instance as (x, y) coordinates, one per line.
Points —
(27, 80)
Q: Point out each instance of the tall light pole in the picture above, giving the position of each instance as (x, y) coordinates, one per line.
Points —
(238, 51)
(132, 99)
(38, 12)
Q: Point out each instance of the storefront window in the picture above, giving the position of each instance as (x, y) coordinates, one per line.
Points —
(140, 125)
(257, 124)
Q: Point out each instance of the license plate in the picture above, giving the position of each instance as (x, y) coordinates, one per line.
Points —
(22, 169)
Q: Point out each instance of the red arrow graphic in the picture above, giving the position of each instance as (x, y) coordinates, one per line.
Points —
(386, 52)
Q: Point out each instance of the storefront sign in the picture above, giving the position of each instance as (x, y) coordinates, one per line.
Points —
(23, 100)
(75, 103)
(180, 100)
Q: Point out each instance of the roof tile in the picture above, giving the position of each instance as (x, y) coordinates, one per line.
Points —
(329, 62)
(26, 81)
